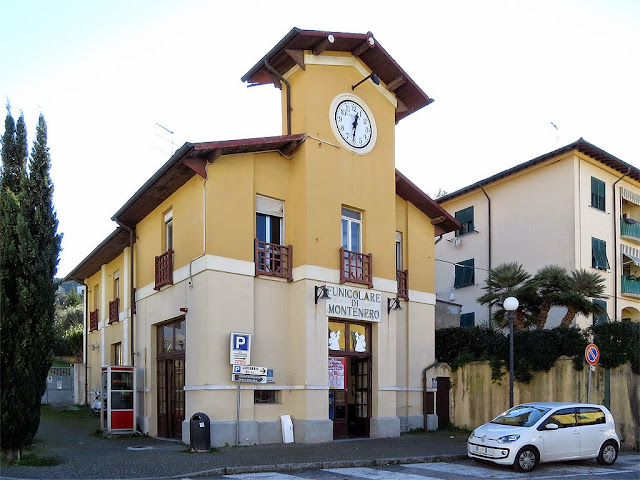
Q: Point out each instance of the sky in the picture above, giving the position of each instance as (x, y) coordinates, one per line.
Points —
(511, 81)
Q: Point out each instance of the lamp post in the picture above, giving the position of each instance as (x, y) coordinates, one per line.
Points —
(511, 305)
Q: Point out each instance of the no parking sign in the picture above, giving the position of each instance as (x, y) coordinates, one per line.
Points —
(592, 354)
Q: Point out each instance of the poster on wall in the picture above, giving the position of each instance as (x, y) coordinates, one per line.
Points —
(337, 372)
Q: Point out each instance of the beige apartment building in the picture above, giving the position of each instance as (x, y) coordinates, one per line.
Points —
(309, 247)
(577, 207)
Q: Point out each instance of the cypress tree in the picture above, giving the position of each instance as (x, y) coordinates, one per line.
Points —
(29, 249)
(14, 152)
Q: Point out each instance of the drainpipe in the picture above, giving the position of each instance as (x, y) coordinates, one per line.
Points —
(438, 240)
(424, 390)
(489, 227)
(282, 79)
(86, 343)
(132, 295)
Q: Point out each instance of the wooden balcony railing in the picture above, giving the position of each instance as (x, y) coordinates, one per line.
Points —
(93, 320)
(356, 267)
(114, 310)
(402, 277)
(164, 269)
(273, 259)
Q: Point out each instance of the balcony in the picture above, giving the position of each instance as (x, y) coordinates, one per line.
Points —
(402, 278)
(356, 267)
(630, 230)
(630, 286)
(114, 311)
(273, 259)
(93, 320)
(164, 270)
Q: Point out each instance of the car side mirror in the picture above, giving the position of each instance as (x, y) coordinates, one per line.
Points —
(551, 426)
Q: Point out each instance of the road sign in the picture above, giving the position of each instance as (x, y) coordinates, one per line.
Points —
(239, 377)
(592, 354)
(240, 348)
(250, 370)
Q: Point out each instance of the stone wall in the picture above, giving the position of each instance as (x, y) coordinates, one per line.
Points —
(475, 398)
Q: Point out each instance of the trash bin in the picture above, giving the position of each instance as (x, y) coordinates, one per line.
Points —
(200, 432)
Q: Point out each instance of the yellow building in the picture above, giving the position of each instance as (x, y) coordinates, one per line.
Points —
(311, 242)
(577, 207)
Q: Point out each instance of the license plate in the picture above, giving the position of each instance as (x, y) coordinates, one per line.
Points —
(481, 450)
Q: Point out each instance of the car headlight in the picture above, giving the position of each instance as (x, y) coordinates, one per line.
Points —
(471, 436)
(508, 439)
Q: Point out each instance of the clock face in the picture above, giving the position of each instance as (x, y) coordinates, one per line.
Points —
(353, 123)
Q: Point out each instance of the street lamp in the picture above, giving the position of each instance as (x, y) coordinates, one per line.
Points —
(511, 305)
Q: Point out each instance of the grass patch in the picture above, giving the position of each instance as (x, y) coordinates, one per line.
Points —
(32, 460)
(450, 430)
(72, 411)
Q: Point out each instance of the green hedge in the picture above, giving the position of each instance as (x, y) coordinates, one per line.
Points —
(537, 350)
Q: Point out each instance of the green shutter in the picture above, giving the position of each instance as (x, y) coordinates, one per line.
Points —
(598, 194)
(465, 273)
(599, 258)
(465, 217)
(603, 317)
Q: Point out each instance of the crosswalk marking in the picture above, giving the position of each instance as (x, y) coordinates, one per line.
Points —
(443, 470)
(373, 474)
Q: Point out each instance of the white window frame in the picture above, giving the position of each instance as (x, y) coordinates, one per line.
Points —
(350, 221)
(168, 230)
(270, 207)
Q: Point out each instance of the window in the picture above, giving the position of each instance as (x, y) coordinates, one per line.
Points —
(597, 194)
(116, 352)
(603, 317)
(266, 396)
(116, 284)
(590, 416)
(465, 273)
(168, 230)
(465, 217)
(114, 305)
(563, 418)
(172, 337)
(468, 319)
(269, 219)
(351, 230)
(599, 254)
(398, 251)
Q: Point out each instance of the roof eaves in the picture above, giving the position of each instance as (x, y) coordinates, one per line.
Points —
(581, 145)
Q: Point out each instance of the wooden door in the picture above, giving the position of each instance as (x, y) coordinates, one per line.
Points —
(442, 402)
(361, 369)
(170, 397)
(338, 412)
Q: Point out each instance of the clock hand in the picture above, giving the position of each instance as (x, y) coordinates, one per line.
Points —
(355, 125)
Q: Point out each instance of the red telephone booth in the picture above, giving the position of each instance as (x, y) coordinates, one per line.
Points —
(118, 399)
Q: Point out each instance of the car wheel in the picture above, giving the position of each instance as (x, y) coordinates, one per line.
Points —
(526, 459)
(608, 453)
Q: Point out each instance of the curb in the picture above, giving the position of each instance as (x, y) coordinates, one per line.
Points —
(289, 467)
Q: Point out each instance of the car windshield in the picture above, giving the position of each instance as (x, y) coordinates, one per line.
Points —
(520, 416)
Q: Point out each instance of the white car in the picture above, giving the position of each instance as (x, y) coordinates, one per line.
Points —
(531, 433)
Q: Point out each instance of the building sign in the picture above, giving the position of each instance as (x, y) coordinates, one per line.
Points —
(337, 372)
(354, 303)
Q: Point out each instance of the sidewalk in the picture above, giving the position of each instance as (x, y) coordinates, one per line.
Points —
(85, 455)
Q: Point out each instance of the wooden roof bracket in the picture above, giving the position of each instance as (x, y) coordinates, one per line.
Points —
(370, 42)
(297, 56)
(323, 45)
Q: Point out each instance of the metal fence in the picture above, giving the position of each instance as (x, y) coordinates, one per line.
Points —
(59, 386)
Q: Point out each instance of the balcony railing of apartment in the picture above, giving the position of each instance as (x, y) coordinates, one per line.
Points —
(114, 310)
(356, 267)
(273, 259)
(164, 269)
(630, 229)
(631, 285)
(402, 277)
(93, 320)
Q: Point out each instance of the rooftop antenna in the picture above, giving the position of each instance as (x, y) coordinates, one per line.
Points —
(557, 131)
(170, 132)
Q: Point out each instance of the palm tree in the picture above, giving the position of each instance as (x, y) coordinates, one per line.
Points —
(583, 287)
(510, 280)
(552, 282)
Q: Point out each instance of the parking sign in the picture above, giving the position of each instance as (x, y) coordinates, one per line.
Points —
(240, 349)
